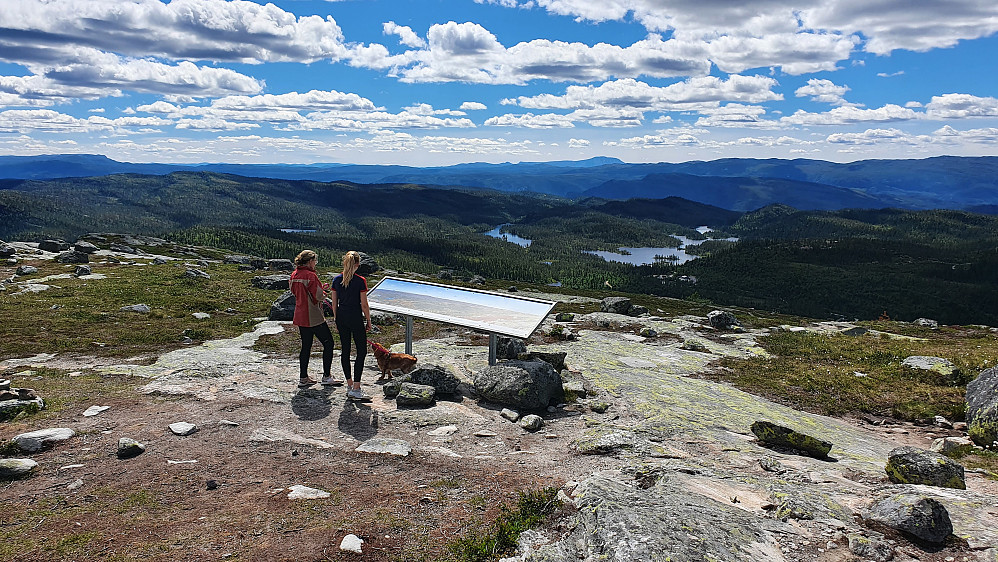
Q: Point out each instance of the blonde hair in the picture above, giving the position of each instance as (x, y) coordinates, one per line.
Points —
(351, 261)
(304, 257)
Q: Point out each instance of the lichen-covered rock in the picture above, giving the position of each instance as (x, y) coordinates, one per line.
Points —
(721, 319)
(908, 465)
(952, 445)
(944, 367)
(85, 247)
(870, 549)
(775, 435)
(622, 521)
(982, 408)
(555, 358)
(509, 348)
(615, 305)
(603, 443)
(53, 245)
(128, 448)
(283, 308)
(23, 270)
(922, 517)
(271, 282)
(280, 265)
(564, 317)
(139, 308)
(415, 395)
(392, 387)
(523, 385)
(532, 422)
(196, 274)
(647, 332)
(442, 380)
(72, 256)
(16, 468)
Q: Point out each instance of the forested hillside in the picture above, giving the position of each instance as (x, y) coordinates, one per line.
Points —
(852, 264)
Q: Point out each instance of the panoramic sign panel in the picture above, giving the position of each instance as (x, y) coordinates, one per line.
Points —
(506, 315)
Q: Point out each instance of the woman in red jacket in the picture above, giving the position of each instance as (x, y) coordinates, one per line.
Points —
(311, 322)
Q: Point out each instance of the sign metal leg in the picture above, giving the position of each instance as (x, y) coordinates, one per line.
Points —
(492, 349)
(408, 335)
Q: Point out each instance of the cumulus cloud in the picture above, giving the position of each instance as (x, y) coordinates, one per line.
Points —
(49, 121)
(736, 115)
(680, 136)
(406, 35)
(531, 121)
(960, 106)
(872, 136)
(578, 143)
(473, 106)
(848, 114)
(948, 134)
(824, 91)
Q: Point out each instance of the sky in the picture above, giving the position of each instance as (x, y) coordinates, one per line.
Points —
(441, 82)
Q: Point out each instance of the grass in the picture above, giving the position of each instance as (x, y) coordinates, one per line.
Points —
(840, 374)
(83, 315)
(62, 392)
(483, 543)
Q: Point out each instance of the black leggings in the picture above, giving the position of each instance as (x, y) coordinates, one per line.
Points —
(326, 337)
(352, 329)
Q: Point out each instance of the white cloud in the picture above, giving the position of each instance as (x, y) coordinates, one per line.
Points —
(960, 106)
(531, 121)
(871, 136)
(682, 137)
(736, 115)
(473, 106)
(847, 114)
(890, 75)
(406, 35)
(578, 143)
(948, 134)
(49, 121)
(824, 91)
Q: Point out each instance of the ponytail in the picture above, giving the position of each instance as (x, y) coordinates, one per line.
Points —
(351, 261)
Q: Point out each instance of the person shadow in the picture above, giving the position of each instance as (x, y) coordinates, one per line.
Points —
(311, 404)
(358, 420)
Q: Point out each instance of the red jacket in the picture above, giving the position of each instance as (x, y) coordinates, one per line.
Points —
(307, 289)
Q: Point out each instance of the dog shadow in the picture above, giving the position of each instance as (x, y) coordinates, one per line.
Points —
(358, 420)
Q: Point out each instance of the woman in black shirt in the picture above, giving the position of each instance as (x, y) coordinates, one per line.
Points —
(353, 319)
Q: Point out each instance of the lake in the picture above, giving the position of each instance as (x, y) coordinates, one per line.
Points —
(508, 237)
(644, 256)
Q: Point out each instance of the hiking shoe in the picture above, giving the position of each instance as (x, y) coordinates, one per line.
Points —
(305, 383)
(328, 381)
(357, 394)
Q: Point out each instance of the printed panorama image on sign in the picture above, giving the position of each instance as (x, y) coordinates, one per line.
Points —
(490, 312)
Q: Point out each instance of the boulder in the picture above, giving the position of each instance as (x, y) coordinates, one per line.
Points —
(123, 249)
(72, 256)
(511, 415)
(367, 265)
(411, 394)
(908, 465)
(509, 348)
(564, 317)
(616, 305)
(23, 270)
(258, 263)
(237, 259)
(34, 441)
(128, 448)
(192, 273)
(647, 332)
(637, 310)
(159, 260)
(523, 385)
(555, 358)
(982, 408)
(721, 319)
(283, 308)
(140, 308)
(952, 445)
(6, 250)
(779, 436)
(82, 270)
(85, 247)
(926, 322)
(935, 364)
(12, 403)
(442, 380)
(182, 428)
(54, 246)
(921, 517)
(16, 468)
(445, 274)
(272, 282)
(280, 265)
(532, 422)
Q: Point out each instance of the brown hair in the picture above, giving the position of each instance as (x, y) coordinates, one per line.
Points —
(351, 261)
(302, 259)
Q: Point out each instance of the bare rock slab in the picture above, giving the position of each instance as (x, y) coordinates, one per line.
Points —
(34, 441)
(776, 435)
(385, 446)
(982, 408)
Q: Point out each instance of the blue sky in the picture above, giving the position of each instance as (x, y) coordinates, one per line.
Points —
(439, 82)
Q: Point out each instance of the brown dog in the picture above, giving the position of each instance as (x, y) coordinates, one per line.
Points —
(388, 361)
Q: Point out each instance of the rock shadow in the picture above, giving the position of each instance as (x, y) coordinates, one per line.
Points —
(789, 451)
(311, 404)
(358, 420)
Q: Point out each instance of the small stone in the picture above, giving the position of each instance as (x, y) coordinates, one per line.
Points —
(128, 448)
(599, 407)
(564, 317)
(211, 485)
(23, 270)
(385, 446)
(94, 410)
(183, 428)
(74, 485)
(352, 543)
(34, 441)
(648, 333)
(532, 422)
(196, 274)
(510, 415)
(139, 308)
(228, 423)
(201, 315)
(159, 260)
(16, 468)
(299, 492)
(82, 271)
(444, 430)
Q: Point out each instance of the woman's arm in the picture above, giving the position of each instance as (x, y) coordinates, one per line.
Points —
(366, 308)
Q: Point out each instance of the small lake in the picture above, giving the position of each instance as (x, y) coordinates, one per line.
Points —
(508, 237)
(299, 230)
(645, 256)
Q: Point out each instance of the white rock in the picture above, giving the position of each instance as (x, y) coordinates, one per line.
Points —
(183, 428)
(14, 468)
(352, 543)
(201, 315)
(299, 492)
(385, 446)
(94, 410)
(140, 308)
(75, 484)
(510, 415)
(444, 430)
(37, 440)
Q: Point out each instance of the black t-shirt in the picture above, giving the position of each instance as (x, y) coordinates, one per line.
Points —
(348, 298)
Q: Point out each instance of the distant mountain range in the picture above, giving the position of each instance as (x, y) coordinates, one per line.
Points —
(736, 184)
